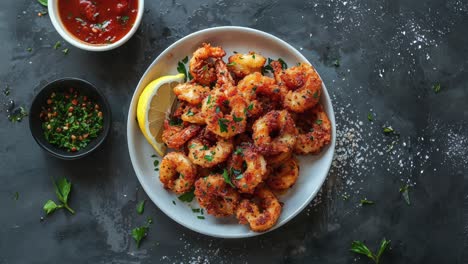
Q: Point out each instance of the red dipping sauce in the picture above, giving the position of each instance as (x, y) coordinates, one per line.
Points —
(98, 21)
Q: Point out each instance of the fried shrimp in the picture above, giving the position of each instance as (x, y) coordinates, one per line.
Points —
(201, 64)
(247, 169)
(209, 150)
(263, 216)
(191, 92)
(224, 116)
(244, 64)
(284, 176)
(218, 198)
(238, 133)
(175, 135)
(192, 114)
(303, 83)
(177, 173)
(225, 79)
(314, 131)
(278, 159)
(274, 133)
(261, 91)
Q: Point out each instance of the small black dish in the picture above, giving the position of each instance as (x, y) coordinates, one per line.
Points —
(62, 85)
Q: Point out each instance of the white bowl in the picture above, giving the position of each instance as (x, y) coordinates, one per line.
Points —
(313, 169)
(70, 38)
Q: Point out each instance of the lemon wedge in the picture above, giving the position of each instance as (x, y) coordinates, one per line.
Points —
(153, 105)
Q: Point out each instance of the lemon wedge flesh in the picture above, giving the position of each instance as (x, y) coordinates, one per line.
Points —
(153, 104)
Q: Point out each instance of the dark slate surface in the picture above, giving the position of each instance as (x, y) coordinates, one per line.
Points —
(391, 53)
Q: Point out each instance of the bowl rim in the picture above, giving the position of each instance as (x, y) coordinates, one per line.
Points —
(106, 125)
(131, 116)
(70, 38)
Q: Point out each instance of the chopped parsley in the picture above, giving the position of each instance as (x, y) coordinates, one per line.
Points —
(239, 151)
(187, 197)
(222, 125)
(366, 202)
(140, 207)
(284, 66)
(226, 178)
(42, 2)
(231, 63)
(388, 130)
(237, 119)
(318, 121)
(65, 51)
(404, 192)
(370, 117)
(181, 69)
(185, 60)
(201, 217)
(123, 19)
(57, 45)
(336, 63)
(209, 157)
(141, 232)
(436, 88)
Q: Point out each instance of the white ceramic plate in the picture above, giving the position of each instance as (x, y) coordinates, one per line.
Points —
(313, 169)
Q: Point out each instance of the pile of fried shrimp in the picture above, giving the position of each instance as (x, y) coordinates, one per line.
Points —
(236, 130)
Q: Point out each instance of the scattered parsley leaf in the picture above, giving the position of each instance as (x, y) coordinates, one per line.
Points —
(141, 207)
(316, 95)
(222, 125)
(336, 63)
(156, 163)
(239, 151)
(208, 101)
(196, 210)
(50, 206)
(318, 121)
(139, 233)
(173, 202)
(237, 119)
(29, 49)
(404, 192)
(226, 178)
(42, 2)
(388, 130)
(231, 63)
(153, 156)
(16, 197)
(365, 201)
(436, 88)
(345, 197)
(57, 45)
(370, 117)
(181, 69)
(65, 51)
(284, 66)
(187, 197)
(123, 19)
(209, 157)
(185, 60)
(240, 176)
(201, 217)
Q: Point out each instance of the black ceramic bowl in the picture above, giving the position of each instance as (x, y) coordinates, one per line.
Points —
(62, 85)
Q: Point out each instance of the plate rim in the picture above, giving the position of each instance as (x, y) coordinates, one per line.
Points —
(132, 112)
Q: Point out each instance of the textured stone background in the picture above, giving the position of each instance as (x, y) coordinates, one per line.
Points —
(391, 53)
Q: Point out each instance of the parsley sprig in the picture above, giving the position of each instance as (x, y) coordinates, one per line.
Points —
(62, 190)
(360, 248)
(141, 232)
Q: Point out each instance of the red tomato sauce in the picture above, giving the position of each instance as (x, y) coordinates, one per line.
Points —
(98, 21)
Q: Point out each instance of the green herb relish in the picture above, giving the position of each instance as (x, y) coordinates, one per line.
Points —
(71, 120)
